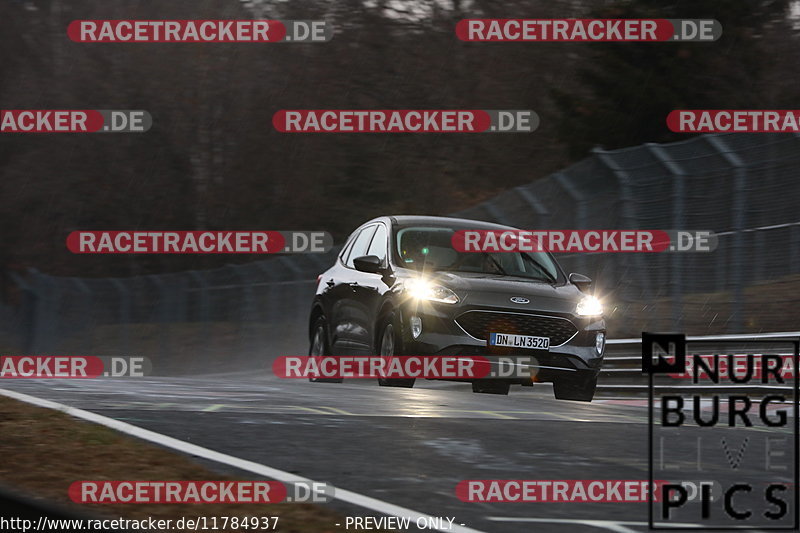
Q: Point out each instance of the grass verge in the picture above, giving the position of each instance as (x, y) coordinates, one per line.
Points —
(44, 451)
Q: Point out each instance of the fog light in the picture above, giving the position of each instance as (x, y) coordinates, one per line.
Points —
(600, 342)
(416, 326)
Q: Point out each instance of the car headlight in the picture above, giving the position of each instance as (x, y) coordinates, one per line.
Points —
(421, 289)
(589, 306)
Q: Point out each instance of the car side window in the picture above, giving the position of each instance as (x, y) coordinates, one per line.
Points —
(346, 250)
(360, 245)
(378, 245)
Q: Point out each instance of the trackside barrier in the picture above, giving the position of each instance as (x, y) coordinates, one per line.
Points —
(740, 186)
(622, 375)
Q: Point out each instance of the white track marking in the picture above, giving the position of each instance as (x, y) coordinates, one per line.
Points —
(242, 464)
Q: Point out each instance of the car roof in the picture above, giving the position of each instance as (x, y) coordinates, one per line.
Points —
(447, 222)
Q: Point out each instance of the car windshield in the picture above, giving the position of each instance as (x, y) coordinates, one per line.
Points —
(430, 248)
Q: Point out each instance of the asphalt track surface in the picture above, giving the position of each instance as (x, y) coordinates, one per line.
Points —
(408, 447)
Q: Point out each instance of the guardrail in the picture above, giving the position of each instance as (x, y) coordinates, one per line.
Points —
(622, 376)
(727, 337)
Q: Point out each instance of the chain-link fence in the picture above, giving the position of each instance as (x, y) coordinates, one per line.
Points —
(204, 320)
(744, 187)
(741, 186)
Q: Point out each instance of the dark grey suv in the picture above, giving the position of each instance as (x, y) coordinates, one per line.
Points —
(399, 287)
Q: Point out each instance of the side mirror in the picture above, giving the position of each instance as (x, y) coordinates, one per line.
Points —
(368, 263)
(579, 280)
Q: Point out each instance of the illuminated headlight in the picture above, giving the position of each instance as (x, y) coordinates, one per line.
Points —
(416, 326)
(600, 342)
(589, 306)
(421, 289)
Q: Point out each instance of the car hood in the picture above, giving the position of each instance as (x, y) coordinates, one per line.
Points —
(487, 290)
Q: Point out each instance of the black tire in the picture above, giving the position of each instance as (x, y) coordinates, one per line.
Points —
(390, 345)
(320, 345)
(491, 386)
(579, 389)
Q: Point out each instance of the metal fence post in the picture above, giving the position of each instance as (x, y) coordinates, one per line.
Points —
(758, 254)
(267, 305)
(581, 215)
(542, 214)
(678, 222)
(31, 314)
(203, 289)
(294, 310)
(204, 314)
(124, 314)
(738, 211)
(85, 310)
(628, 215)
(162, 313)
(46, 317)
(245, 309)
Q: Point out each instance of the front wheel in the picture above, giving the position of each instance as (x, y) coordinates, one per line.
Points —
(389, 347)
(578, 388)
(320, 348)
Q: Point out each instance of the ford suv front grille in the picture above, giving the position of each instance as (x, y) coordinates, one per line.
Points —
(480, 323)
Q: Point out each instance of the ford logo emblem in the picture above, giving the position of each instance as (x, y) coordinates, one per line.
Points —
(520, 300)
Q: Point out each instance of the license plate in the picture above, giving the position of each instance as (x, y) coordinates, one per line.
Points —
(519, 341)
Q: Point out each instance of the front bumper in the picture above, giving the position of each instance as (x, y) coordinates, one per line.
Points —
(442, 335)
